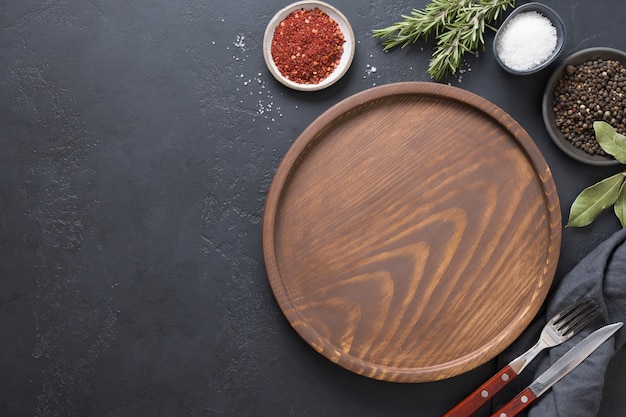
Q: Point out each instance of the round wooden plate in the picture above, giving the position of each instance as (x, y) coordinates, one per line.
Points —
(412, 232)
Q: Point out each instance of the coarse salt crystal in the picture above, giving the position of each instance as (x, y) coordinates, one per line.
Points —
(526, 41)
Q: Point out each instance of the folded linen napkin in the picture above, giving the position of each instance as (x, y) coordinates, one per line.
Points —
(601, 275)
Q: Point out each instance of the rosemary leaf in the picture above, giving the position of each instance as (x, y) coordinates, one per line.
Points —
(458, 25)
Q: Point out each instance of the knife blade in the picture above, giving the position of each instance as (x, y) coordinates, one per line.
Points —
(574, 357)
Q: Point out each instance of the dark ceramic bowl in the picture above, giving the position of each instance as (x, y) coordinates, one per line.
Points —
(547, 106)
(545, 11)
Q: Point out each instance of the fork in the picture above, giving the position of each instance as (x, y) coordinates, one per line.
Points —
(559, 329)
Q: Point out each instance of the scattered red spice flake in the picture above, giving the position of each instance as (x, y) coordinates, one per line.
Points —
(307, 46)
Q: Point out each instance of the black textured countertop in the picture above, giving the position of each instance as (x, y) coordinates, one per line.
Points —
(139, 139)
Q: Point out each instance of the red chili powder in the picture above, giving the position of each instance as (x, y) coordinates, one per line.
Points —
(307, 46)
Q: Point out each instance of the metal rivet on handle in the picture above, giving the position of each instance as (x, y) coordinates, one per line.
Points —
(505, 377)
(524, 399)
(502, 414)
(484, 393)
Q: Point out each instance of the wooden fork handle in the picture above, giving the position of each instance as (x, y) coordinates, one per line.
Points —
(483, 393)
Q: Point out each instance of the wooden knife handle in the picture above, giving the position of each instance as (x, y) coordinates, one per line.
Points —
(517, 404)
(483, 394)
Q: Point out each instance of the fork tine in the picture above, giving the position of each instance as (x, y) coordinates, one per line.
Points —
(569, 309)
(580, 307)
(583, 322)
(574, 315)
(575, 319)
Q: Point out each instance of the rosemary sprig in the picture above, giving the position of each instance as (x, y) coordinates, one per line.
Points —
(458, 25)
(420, 23)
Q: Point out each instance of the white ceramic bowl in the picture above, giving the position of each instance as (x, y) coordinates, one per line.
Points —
(346, 56)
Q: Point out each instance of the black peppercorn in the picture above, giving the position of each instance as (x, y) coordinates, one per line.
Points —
(590, 91)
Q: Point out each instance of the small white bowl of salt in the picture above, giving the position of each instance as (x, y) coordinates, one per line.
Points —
(529, 39)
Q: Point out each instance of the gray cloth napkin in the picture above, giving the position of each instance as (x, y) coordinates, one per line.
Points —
(601, 275)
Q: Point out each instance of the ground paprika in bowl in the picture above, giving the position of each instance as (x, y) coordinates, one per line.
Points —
(308, 45)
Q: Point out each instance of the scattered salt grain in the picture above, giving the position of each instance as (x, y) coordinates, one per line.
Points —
(526, 41)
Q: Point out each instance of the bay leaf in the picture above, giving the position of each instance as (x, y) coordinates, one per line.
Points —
(612, 142)
(593, 200)
(620, 140)
(620, 205)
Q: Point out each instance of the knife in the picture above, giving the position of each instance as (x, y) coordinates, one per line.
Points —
(558, 370)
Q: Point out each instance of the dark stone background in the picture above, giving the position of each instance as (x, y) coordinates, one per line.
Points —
(139, 139)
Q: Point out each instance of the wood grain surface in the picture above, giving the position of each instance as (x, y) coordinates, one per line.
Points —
(411, 232)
